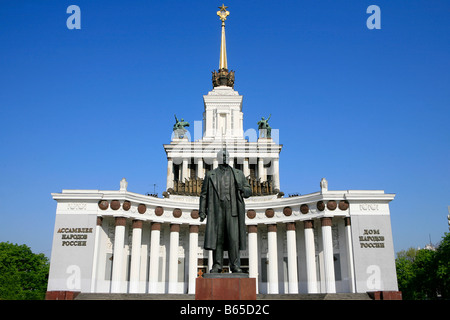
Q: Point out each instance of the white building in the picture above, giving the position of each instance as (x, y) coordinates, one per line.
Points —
(122, 242)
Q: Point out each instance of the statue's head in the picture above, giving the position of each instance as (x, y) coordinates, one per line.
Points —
(182, 119)
(223, 156)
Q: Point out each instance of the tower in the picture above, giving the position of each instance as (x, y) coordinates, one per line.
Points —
(253, 151)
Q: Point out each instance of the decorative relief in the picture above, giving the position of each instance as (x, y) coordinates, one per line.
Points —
(126, 205)
(331, 205)
(368, 207)
(304, 208)
(270, 213)
(115, 204)
(142, 208)
(320, 206)
(103, 204)
(177, 213)
(194, 214)
(343, 205)
(287, 211)
(76, 206)
(159, 211)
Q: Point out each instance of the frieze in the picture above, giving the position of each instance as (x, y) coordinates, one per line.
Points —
(368, 207)
(76, 206)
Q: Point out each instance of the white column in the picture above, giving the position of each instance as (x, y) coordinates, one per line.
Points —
(215, 163)
(169, 173)
(276, 173)
(96, 250)
(135, 256)
(200, 169)
(292, 257)
(228, 123)
(310, 252)
(328, 259)
(173, 257)
(193, 259)
(261, 169)
(246, 168)
(273, 259)
(154, 257)
(118, 256)
(348, 240)
(185, 170)
(253, 253)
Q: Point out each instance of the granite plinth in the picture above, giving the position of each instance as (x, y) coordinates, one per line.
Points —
(225, 286)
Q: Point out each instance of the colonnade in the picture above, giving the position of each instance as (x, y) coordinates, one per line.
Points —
(262, 170)
(273, 255)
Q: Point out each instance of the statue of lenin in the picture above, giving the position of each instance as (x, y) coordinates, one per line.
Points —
(222, 202)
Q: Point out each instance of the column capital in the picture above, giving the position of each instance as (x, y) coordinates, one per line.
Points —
(308, 224)
(193, 228)
(326, 222)
(156, 226)
(347, 221)
(121, 221)
(252, 228)
(290, 226)
(272, 228)
(137, 224)
(174, 228)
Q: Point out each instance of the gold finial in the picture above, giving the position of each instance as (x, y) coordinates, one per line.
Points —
(223, 14)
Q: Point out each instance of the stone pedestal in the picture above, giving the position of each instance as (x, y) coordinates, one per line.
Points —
(225, 286)
(61, 295)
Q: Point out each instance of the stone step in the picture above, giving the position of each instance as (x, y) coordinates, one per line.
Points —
(133, 296)
(145, 296)
(316, 296)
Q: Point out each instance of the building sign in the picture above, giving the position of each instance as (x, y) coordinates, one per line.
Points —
(371, 238)
(74, 237)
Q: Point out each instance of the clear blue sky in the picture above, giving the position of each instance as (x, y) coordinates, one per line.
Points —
(367, 109)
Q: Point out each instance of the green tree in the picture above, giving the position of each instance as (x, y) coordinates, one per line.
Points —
(23, 274)
(405, 273)
(425, 274)
(442, 258)
(423, 283)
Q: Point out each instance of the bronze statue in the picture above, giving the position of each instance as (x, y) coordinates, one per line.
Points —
(178, 127)
(263, 124)
(222, 203)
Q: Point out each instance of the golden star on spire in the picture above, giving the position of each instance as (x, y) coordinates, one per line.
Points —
(223, 13)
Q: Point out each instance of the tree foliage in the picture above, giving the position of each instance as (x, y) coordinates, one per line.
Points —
(23, 274)
(424, 274)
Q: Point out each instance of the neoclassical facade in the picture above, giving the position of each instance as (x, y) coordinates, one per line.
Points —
(117, 241)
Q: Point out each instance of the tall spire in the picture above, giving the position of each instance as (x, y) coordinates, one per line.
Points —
(223, 77)
(223, 14)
